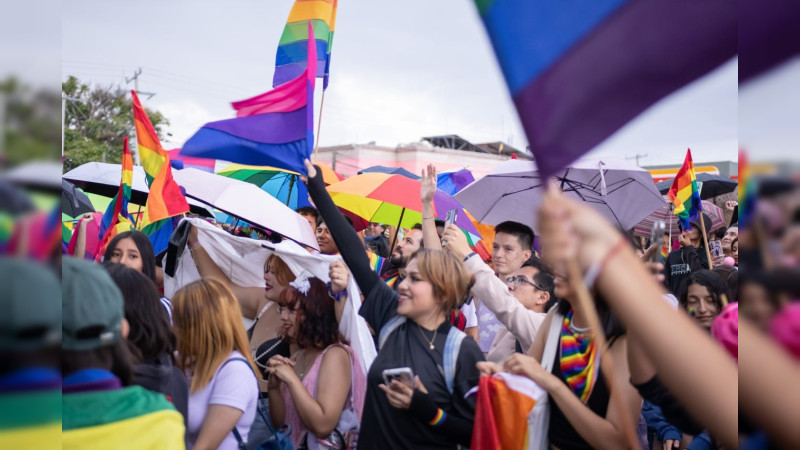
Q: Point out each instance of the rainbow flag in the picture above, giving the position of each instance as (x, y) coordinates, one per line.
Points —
(165, 198)
(116, 218)
(290, 60)
(271, 129)
(747, 192)
(684, 193)
(578, 71)
(501, 412)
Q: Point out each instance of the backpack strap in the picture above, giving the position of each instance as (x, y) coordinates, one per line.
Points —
(388, 328)
(236, 434)
(450, 357)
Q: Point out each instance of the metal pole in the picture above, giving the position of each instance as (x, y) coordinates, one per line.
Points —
(3, 125)
(63, 119)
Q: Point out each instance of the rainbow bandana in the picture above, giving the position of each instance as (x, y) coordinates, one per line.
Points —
(580, 360)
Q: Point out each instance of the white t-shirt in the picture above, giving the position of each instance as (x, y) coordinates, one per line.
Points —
(469, 312)
(233, 385)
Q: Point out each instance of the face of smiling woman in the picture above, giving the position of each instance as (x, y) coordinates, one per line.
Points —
(416, 294)
(700, 300)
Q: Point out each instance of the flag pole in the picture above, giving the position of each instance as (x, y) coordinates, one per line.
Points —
(319, 125)
(705, 239)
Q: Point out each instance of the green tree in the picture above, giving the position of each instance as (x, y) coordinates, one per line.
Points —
(96, 121)
(31, 127)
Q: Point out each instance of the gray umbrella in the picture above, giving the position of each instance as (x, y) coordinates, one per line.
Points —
(621, 191)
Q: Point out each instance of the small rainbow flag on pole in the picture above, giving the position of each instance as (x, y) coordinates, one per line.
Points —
(116, 219)
(747, 191)
(165, 199)
(684, 193)
(292, 55)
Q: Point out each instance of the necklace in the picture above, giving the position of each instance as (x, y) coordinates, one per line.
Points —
(263, 366)
(304, 365)
(429, 341)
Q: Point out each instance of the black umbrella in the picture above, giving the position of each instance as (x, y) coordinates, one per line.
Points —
(713, 185)
(73, 201)
(14, 200)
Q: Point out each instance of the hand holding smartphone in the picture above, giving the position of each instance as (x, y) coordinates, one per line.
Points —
(402, 374)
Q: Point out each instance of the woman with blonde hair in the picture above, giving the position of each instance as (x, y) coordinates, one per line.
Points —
(214, 352)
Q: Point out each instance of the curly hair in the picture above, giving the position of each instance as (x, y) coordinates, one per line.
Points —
(316, 315)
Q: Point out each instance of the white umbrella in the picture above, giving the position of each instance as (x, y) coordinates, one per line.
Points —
(621, 191)
(104, 178)
(247, 202)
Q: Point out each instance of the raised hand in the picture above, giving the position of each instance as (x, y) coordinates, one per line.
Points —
(338, 274)
(312, 171)
(429, 180)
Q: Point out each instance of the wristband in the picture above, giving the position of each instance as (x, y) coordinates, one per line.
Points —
(469, 256)
(438, 419)
(596, 268)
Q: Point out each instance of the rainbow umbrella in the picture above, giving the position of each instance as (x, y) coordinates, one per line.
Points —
(329, 176)
(282, 184)
(394, 200)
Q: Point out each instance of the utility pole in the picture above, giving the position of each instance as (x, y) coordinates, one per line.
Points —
(64, 100)
(135, 79)
(636, 157)
(3, 126)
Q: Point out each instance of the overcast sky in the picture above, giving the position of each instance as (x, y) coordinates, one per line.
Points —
(399, 71)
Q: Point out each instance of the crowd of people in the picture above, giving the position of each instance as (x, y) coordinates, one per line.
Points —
(649, 361)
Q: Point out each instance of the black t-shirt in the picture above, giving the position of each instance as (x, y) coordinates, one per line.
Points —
(383, 426)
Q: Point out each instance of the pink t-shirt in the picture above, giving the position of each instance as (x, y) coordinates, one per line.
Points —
(233, 385)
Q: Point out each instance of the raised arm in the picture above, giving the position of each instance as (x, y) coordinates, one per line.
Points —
(347, 241)
(429, 234)
(671, 340)
(493, 292)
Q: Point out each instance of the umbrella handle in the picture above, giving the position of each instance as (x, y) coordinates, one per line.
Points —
(394, 239)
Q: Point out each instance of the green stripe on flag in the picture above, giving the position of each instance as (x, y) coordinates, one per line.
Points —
(298, 31)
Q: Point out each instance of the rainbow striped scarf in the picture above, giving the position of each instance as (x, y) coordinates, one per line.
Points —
(580, 360)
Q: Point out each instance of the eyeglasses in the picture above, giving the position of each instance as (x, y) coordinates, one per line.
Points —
(519, 279)
(282, 308)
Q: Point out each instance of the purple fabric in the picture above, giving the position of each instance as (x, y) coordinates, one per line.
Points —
(272, 128)
(443, 203)
(90, 380)
(641, 53)
(768, 34)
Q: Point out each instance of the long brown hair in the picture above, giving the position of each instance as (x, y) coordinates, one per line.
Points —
(316, 315)
(208, 322)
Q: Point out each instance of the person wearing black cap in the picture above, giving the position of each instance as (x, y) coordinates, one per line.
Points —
(691, 257)
(100, 409)
(30, 345)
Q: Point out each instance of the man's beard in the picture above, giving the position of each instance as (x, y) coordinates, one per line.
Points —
(397, 261)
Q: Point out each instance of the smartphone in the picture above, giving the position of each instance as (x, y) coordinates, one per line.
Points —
(450, 218)
(656, 237)
(715, 247)
(402, 374)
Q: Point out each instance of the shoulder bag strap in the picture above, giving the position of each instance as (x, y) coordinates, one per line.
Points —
(552, 342)
(387, 329)
(452, 346)
(258, 406)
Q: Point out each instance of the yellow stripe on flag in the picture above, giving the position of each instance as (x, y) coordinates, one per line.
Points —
(304, 11)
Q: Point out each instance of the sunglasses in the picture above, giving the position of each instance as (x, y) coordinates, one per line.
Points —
(519, 279)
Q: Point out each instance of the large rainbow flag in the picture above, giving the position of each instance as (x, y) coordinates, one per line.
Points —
(116, 218)
(290, 60)
(578, 70)
(685, 194)
(501, 412)
(271, 129)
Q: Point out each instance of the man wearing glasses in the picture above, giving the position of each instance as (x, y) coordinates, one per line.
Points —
(518, 301)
